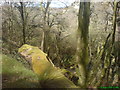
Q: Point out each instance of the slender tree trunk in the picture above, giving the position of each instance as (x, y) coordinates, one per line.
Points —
(82, 42)
(44, 45)
(114, 22)
(113, 43)
(118, 43)
(23, 21)
(42, 42)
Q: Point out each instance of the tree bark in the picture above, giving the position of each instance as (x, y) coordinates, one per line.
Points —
(23, 21)
(45, 27)
(82, 42)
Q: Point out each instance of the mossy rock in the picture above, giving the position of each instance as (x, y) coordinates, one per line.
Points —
(49, 75)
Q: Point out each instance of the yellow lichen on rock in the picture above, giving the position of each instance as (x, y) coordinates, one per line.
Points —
(40, 64)
(36, 57)
(31, 49)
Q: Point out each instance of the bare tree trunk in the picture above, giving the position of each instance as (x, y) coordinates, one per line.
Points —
(44, 34)
(42, 42)
(82, 42)
(23, 21)
(113, 44)
(118, 43)
(114, 22)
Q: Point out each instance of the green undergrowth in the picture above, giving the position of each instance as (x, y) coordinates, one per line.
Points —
(15, 75)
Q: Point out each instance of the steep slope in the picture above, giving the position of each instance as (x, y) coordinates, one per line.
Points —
(15, 75)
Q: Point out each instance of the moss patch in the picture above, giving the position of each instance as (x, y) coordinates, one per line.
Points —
(15, 75)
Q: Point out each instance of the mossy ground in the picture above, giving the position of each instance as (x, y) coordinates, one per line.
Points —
(15, 75)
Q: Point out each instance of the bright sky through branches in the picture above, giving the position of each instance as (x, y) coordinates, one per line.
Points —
(69, 1)
(59, 3)
(56, 3)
